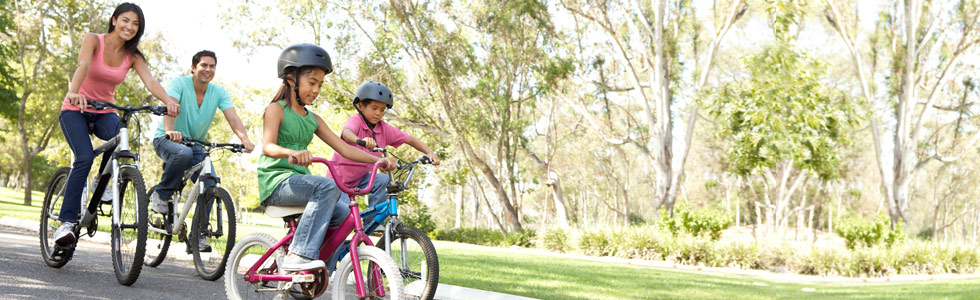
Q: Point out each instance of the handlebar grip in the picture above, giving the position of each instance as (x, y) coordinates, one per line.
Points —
(361, 143)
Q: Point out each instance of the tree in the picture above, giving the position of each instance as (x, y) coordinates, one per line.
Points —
(782, 117)
(644, 37)
(925, 44)
(45, 35)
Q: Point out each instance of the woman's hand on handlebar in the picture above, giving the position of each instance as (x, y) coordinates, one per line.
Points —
(387, 164)
(77, 100)
(301, 157)
(173, 107)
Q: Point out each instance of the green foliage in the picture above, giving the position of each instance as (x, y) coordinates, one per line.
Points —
(420, 218)
(486, 237)
(8, 80)
(861, 232)
(555, 239)
(783, 112)
(709, 222)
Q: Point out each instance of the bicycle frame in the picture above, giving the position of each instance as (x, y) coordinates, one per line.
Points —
(334, 237)
(121, 144)
(200, 185)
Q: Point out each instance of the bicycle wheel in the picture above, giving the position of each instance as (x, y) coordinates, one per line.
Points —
(214, 224)
(157, 244)
(372, 261)
(416, 259)
(129, 236)
(53, 196)
(244, 255)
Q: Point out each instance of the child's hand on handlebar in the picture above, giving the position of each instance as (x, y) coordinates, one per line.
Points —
(301, 157)
(370, 143)
(387, 164)
(433, 157)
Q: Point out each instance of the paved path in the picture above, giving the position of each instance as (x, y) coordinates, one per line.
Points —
(23, 275)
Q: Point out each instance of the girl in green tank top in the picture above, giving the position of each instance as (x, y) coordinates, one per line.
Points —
(289, 128)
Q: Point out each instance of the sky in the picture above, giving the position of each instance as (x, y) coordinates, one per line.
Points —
(191, 26)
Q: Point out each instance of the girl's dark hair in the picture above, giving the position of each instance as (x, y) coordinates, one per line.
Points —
(132, 44)
(286, 88)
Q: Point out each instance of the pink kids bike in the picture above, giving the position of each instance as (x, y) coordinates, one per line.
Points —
(253, 273)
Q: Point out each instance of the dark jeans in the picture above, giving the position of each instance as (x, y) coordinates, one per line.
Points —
(177, 160)
(75, 127)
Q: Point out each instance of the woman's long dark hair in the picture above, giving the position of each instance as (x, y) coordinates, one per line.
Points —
(132, 44)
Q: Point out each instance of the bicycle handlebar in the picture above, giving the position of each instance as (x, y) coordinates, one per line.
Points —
(237, 148)
(333, 173)
(100, 105)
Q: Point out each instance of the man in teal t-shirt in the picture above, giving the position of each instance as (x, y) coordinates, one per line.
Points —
(199, 100)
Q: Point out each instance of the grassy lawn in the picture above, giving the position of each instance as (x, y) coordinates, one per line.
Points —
(551, 277)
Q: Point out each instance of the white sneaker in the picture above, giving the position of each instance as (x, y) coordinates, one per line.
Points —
(65, 235)
(157, 204)
(294, 262)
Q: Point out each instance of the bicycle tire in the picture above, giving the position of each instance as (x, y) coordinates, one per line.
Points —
(235, 287)
(53, 195)
(428, 268)
(221, 241)
(128, 269)
(343, 283)
(157, 244)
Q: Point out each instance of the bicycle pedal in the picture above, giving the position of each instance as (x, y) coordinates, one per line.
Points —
(303, 277)
(63, 253)
(92, 227)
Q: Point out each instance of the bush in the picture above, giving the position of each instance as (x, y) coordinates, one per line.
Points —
(696, 222)
(595, 243)
(872, 262)
(825, 262)
(476, 236)
(555, 239)
(860, 232)
(740, 255)
(418, 216)
(522, 238)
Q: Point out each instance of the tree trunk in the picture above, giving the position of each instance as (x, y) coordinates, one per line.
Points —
(24, 147)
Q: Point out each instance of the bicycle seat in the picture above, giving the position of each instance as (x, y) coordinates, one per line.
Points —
(282, 211)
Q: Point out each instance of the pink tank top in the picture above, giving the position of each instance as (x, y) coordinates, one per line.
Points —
(101, 81)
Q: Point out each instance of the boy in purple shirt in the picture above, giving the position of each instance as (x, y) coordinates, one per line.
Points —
(371, 101)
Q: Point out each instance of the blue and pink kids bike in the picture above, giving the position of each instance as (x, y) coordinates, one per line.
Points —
(253, 267)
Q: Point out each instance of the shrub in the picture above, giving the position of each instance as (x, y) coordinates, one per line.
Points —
(739, 255)
(694, 251)
(476, 236)
(860, 232)
(420, 218)
(595, 243)
(521, 238)
(872, 262)
(555, 239)
(709, 222)
(825, 262)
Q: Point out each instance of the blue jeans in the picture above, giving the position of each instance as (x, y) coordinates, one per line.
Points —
(378, 193)
(177, 160)
(75, 127)
(320, 195)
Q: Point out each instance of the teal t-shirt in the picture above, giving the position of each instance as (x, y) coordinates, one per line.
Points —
(194, 121)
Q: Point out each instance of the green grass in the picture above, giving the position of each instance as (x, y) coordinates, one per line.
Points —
(552, 277)
(549, 277)
(12, 204)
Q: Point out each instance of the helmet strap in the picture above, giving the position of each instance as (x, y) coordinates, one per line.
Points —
(296, 87)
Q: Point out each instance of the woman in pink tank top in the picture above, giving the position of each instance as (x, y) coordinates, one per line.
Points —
(103, 63)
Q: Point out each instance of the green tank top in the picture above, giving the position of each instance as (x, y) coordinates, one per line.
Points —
(295, 133)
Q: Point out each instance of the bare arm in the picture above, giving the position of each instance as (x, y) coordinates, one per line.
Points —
(168, 129)
(419, 145)
(139, 64)
(90, 44)
(238, 128)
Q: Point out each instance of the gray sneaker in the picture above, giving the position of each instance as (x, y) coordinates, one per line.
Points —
(65, 235)
(294, 262)
(157, 204)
